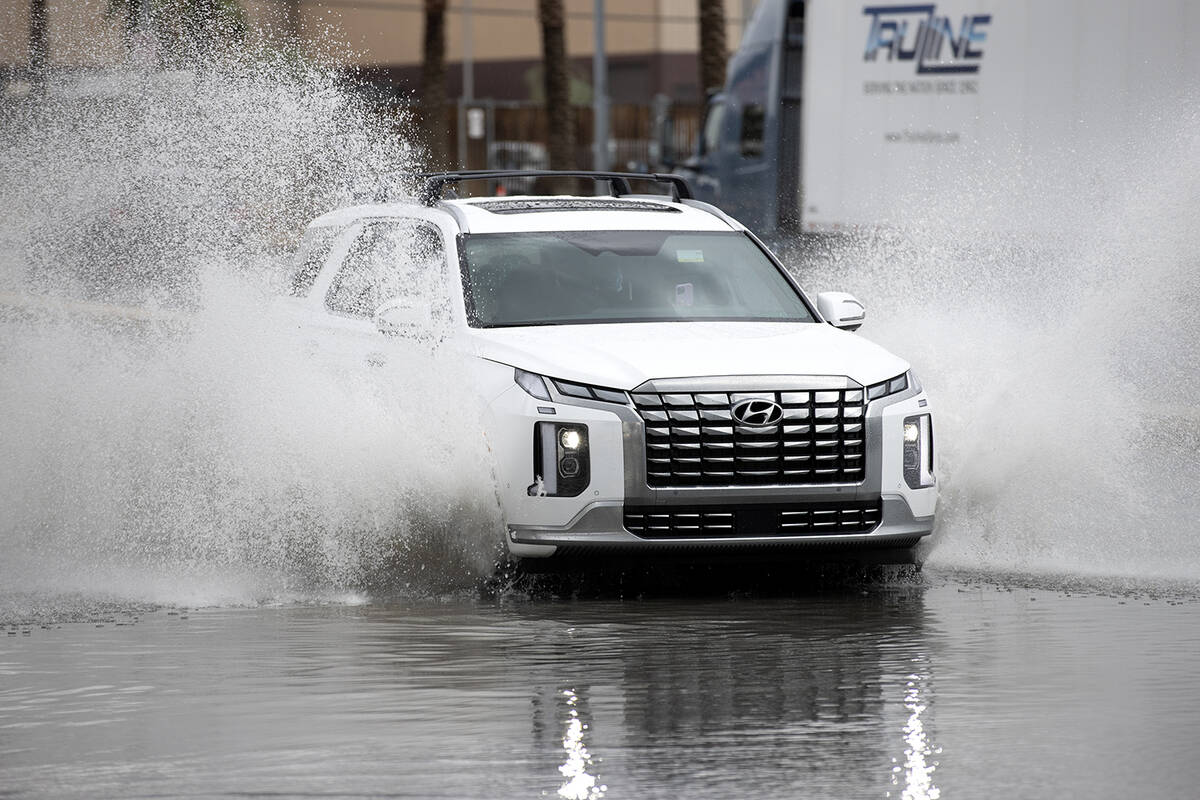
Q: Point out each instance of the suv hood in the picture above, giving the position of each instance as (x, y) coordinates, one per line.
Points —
(623, 356)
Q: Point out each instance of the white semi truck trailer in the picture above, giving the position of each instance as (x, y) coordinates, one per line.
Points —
(849, 115)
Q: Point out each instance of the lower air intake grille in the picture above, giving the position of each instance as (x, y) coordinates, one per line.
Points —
(783, 438)
(791, 519)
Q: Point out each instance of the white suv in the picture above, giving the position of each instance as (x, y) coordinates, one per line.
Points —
(654, 379)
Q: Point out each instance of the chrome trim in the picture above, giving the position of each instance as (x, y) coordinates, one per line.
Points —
(745, 383)
(638, 491)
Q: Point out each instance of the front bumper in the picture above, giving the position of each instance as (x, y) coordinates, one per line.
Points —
(594, 521)
(599, 528)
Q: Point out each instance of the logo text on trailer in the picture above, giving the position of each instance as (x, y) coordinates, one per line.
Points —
(917, 33)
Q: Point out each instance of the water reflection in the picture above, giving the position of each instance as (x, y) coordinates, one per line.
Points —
(812, 697)
(808, 696)
(580, 784)
(919, 764)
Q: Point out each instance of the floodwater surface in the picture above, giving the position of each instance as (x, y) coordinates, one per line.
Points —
(945, 686)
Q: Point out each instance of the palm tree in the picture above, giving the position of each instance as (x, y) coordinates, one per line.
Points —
(433, 82)
(38, 56)
(561, 133)
(712, 45)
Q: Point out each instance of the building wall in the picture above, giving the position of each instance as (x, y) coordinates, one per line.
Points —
(389, 31)
(14, 32)
(651, 44)
(80, 34)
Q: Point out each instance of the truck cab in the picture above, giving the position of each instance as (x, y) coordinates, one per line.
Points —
(747, 156)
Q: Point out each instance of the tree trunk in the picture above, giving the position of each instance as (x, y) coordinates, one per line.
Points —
(561, 144)
(292, 19)
(133, 20)
(433, 84)
(38, 42)
(712, 45)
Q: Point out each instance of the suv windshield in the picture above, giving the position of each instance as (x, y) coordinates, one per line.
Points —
(623, 276)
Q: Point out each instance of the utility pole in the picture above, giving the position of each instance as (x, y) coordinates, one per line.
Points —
(468, 86)
(468, 55)
(599, 91)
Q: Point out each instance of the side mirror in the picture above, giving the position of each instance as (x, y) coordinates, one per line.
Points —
(841, 310)
(402, 317)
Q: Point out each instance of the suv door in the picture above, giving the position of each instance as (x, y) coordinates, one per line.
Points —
(387, 257)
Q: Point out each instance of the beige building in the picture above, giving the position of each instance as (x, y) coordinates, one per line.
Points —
(651, 44)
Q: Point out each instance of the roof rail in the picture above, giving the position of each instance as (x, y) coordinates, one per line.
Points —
(435, 182)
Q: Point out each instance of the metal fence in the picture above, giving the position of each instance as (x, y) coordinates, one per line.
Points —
(494, 134)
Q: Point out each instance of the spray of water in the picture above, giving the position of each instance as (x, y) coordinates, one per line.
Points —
(1050, 313)
(163, 438)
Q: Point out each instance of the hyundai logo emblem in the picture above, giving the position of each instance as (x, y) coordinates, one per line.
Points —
(757, 412)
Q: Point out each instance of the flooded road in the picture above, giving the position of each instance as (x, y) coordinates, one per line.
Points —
(944, 685)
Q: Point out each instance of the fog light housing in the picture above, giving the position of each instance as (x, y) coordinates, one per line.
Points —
(561, 459)
(918, 451)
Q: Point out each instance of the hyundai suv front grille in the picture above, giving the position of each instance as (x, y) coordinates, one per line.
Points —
(789, 438)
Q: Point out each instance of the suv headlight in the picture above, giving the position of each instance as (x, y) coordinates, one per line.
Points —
(561, 451)
(894, 386)
(585, 392)
(535, 386)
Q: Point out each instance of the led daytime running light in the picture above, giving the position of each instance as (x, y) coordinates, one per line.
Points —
(896, 385)
(534, 385)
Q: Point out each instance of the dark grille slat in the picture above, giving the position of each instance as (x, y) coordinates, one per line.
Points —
(697, 522)
(693, 440)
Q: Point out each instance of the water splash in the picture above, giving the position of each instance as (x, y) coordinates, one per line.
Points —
(1051, 317)
(164, 439)
(177, 450)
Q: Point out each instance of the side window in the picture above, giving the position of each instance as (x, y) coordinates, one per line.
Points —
(311, 256)
(389, 258)
(753, 117)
